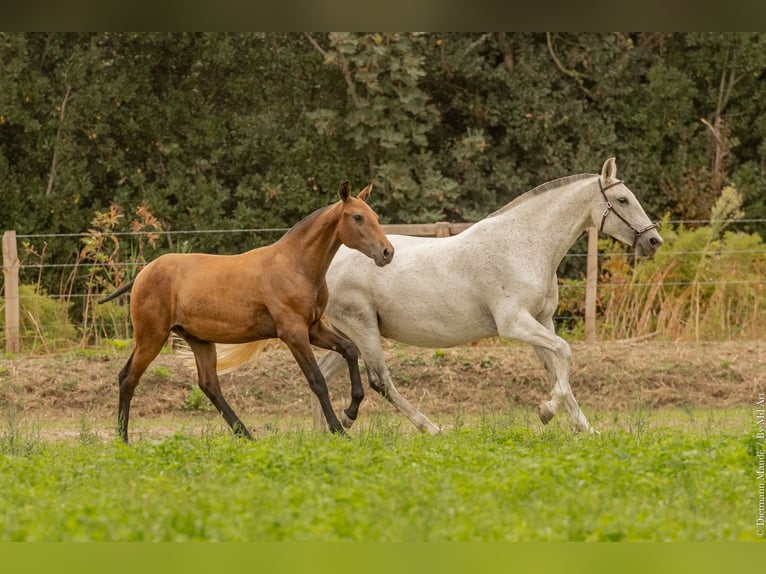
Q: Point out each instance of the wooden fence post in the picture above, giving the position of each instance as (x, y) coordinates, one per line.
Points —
(11, 266)
(590, 286)
(442, 229)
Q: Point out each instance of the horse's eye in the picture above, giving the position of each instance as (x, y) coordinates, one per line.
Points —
(358, 218)
(623, 200)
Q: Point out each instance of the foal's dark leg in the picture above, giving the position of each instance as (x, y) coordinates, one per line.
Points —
(126, 394)
(205, 357)
(327, 338)
(332, 364)
(301, 349)
(142, 355)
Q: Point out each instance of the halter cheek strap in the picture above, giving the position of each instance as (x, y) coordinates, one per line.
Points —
(609, 208)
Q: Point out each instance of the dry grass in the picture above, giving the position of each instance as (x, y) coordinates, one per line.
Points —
(492, 377)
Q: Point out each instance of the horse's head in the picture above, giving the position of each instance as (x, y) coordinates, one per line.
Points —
(359, 229)
(620, 215)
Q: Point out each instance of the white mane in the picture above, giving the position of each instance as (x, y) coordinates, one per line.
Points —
(542, 188)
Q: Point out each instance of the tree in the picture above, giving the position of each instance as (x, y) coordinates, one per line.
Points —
(388, 117)
(248, 131)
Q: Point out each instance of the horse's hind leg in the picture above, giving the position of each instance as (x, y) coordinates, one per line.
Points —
(363, 330)
(380, 381)
(127, 386)
(205, 358)
(130, 374)
(368, 340)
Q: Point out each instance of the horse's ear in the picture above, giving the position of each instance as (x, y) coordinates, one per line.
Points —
(609, 170)
(365, 193)
(344, 191)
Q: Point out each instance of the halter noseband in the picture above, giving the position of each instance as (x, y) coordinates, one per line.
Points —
(610, 209)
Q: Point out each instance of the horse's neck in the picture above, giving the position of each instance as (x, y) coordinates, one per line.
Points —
(546, 224)
(315, 240)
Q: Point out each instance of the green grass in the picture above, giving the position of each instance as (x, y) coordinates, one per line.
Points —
(491, 480)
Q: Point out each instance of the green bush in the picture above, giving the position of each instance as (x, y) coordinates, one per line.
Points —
(704, 283)
(44, 321)
(197, 401)
(110, 321)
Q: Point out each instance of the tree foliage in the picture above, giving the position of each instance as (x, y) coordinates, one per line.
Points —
(257, 130)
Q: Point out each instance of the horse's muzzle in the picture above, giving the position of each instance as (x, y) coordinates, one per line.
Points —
(648, 243)
(384, 256)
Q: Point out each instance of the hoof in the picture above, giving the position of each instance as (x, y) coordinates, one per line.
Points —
(583, 426)
(422, 423)
(545, 413)
(346, 420)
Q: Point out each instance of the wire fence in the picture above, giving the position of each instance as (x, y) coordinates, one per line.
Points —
(272, 232)
(33, 263)
(276, 231)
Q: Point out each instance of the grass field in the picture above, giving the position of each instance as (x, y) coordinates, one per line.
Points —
(652, 475)
(676, 459)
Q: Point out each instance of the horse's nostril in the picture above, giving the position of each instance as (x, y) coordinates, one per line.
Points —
(655, 242)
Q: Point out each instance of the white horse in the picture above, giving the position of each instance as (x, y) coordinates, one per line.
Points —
(497, 278)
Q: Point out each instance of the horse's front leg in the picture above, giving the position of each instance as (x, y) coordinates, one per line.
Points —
(556, 356)
(562, 392)
(331, 365)
(327, 338)
(300, 347)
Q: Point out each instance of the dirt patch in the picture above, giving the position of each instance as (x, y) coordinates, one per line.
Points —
(488, 377)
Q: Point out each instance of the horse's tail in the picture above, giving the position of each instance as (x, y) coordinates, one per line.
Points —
(232, 356)
(117, 293)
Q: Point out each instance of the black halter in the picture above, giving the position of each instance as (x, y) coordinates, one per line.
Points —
(610, 209)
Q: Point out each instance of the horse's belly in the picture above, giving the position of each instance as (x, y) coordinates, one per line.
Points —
(227, 324)
(448, 328)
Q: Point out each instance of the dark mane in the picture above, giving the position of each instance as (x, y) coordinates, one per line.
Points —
(309, 217)
(542, 188)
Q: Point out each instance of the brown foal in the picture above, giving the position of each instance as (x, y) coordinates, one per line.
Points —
(276, 291)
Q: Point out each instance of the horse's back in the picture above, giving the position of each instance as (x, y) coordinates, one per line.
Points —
(203, 293)
(171, 270)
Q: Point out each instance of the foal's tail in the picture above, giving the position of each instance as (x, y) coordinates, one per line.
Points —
(232, 356)
(117, 293)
